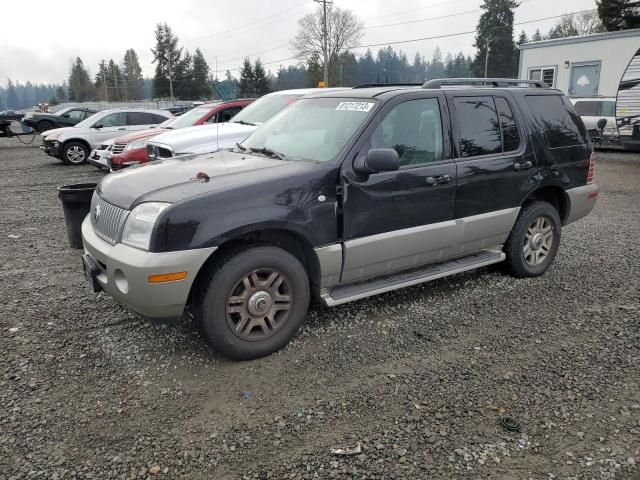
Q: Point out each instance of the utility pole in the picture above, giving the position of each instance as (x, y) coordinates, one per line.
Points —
(486, 59)
(170, 79)
(325, 40)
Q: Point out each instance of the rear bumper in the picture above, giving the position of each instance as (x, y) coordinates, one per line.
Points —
(123, 273)
(581, 201)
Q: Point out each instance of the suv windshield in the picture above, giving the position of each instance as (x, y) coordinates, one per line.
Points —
(264, 108)
(313, 129)
(187, 119)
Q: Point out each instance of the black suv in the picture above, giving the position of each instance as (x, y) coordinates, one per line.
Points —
(68, 117)
(343, 195)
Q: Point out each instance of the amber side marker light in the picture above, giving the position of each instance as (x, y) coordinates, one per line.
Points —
(167, 277)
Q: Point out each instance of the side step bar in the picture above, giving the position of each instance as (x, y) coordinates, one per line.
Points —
(367, 288)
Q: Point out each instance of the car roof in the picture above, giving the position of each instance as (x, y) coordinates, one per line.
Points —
(143, 110)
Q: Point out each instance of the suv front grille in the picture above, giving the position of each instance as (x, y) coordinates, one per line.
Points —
(107, 220)
(118, 148)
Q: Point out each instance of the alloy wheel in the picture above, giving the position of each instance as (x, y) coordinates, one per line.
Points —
(538, 241)
(75, 154)
(259, 304)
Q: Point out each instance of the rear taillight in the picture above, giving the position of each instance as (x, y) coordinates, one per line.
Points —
(592, 168)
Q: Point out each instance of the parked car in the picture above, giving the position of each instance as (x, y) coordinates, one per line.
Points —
(131, 149)
(67, 117)
(189, 141)
(342, 196)
(594, 109)
(72, 145)
(10, 115)
(177, 110)
(98, 155)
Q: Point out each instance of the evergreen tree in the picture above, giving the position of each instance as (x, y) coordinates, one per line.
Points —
(3, 102)
(115, 81)
(418, 69)
(247, 80)
(132, 73)
(367, 68)
(200, 77)
(619, 14)
(102, 87)
(12, 96)
(537, 36)
(436, 67)
(81, 88)
(182, 74)
(261, 80)
(167, 57)
(60, 94)
(495, 30)
(314, 73)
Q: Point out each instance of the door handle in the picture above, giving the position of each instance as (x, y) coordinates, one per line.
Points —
(122, 128)
(438, 180)
(522, 166)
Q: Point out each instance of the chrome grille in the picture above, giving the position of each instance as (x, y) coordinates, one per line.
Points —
(107, 220)
(118, 148)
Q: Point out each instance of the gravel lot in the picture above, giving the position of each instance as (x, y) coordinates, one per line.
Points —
(419, 377)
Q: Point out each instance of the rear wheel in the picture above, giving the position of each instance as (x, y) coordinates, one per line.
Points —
(252, 302)
(534, 240)
(75, 153)
(44, 126)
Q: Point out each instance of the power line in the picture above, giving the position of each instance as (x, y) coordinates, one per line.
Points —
(247, 25)
(415, 9)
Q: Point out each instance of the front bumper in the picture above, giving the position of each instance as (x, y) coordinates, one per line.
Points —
(98, 158)
(123, 272)
(581, 201)
(51, 147)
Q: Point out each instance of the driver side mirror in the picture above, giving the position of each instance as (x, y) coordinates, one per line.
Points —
(602, 123)
(98, 126)
(66, 115)
(378, 160)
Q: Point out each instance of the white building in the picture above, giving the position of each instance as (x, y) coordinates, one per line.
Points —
(583, 66)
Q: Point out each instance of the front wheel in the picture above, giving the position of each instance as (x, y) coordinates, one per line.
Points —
(44, 126)
(534, 240)
(75, 153)
(252, 302)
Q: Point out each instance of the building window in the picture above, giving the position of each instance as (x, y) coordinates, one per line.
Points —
(547, 75)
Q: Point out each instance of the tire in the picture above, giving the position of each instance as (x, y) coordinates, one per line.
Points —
(234, 304)
(534, 240)
(75, 153)
(44, 126)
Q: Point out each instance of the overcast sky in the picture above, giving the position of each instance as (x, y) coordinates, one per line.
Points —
(39, 40)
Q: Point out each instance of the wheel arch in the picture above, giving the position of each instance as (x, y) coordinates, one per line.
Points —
(554, 195)
(288, 240)
(77, 140)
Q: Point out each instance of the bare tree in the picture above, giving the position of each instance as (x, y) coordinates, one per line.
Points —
(344, 31)
(582, 23)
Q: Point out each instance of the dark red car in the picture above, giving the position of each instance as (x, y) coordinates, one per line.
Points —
(130, 149)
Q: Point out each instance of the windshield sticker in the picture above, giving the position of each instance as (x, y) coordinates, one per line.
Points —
(355, 106)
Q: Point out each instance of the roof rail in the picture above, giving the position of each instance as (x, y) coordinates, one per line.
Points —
(399, 84)
(484, 82)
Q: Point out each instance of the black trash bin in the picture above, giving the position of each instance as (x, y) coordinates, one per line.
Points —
(76, 203)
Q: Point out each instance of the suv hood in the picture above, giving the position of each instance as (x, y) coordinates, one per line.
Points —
(58, 130)
(204, 138)
(173, 180)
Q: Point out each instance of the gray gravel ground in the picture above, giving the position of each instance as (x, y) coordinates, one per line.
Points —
(419, 377)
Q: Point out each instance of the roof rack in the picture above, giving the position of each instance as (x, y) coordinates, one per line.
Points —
(370, 85)
(484, 82)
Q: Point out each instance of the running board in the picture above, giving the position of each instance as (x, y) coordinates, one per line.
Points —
(367, 288)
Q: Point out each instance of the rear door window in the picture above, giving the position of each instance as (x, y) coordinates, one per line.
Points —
(479, 126)
(562, 126)
(139, 118)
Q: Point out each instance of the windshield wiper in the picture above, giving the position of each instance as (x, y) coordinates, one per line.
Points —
(241, 147)
(270, 153)
(242, 122)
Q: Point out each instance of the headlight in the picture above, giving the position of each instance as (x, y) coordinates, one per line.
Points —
(53, 136)
(136, 144)
(28, 115)
(137, 230)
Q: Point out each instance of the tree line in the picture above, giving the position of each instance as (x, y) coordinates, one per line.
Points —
(182, 75)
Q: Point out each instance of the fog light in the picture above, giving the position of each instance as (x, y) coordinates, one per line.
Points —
(121, 281)
(167, 277)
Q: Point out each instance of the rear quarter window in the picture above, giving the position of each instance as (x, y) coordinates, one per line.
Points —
(587, 108)
(562, 126)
